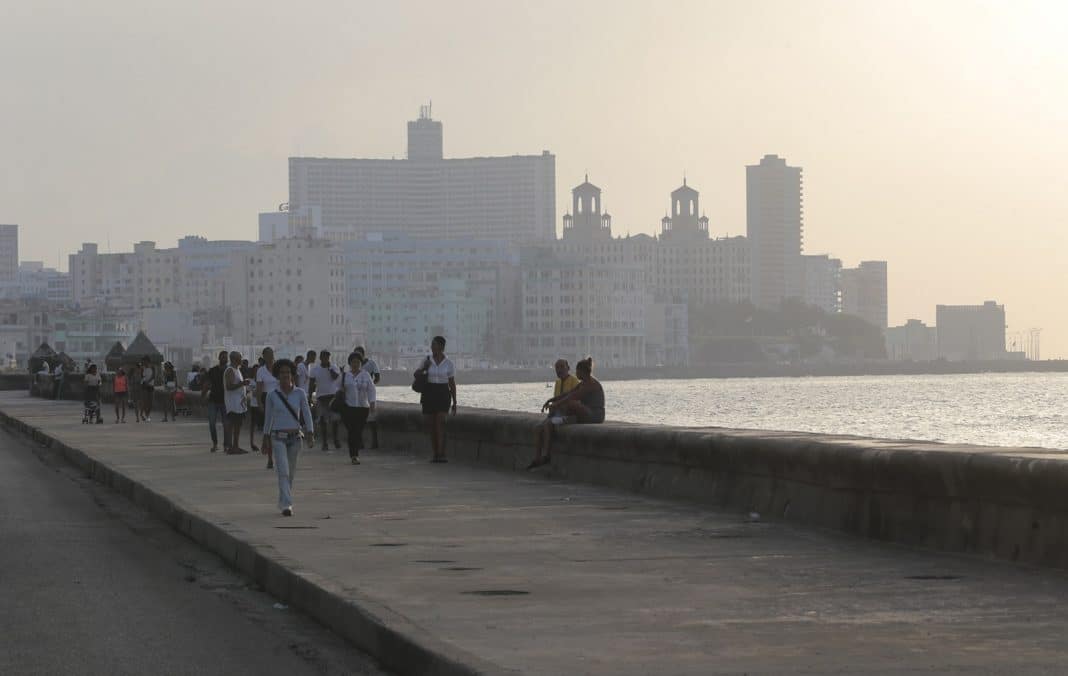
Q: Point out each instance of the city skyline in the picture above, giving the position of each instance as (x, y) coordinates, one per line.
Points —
(925, 147)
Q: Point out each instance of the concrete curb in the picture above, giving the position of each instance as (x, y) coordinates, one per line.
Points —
(390, 638)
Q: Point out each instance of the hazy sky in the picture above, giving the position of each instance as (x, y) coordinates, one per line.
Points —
(932, 134)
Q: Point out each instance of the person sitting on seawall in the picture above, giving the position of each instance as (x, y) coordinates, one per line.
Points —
(583, 405)
(565, 382)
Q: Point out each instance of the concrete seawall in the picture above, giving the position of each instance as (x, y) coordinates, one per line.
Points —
(1007, 503)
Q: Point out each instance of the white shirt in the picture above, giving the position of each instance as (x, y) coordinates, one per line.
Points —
(235, 398)
(265, 378)
(439, 374)
(148, 376)
(359, 390)
(327, 380)
(371, 367)
(302, 376)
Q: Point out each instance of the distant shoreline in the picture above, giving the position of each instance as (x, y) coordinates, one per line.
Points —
(873, 368)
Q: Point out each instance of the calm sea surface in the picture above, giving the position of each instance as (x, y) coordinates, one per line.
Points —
(996, 409)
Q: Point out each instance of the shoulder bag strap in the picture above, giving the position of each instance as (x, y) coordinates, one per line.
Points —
(299, 418)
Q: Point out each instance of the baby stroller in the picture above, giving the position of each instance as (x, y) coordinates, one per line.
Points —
(180, 405)
(91, 412)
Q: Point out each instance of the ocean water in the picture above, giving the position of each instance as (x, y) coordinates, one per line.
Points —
(990, 409)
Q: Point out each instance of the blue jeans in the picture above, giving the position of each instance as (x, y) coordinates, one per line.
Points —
(285, 447)
(216, 411)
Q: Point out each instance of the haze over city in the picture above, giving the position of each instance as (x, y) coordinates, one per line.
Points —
(931, 135)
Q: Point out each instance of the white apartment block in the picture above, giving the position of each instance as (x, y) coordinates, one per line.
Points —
(912, 341)
(395, 266)
(9, 253)
(191, 276)
(286, 222)
(291, 295)
(864, 292)
(774, 222)
(575, 307)
(822, 282)
(35, 281)
(971, 332)
(427, 196)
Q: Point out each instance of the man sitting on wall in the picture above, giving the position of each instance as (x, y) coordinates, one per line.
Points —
(565, 382)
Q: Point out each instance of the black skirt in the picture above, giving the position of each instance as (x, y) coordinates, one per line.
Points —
(435, 398)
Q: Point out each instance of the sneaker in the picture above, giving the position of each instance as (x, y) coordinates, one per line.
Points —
(355, 460)
(148, 419)
(288, 511)
(270, 464)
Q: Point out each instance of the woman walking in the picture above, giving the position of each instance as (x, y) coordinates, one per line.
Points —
(359, 392)
(92, 392)
(119, 391)
(170, 386)
(439, 390)
(148, 388)
(286, 418)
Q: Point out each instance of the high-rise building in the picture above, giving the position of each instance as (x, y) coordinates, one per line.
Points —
(9, 253)
(822, 282)
(425, 137)
(774, 225)
(428, 196)
(863, 292)
(971, 332)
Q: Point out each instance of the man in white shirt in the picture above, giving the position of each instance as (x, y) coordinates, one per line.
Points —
(266, 383)
(325, 381)
(371, 368)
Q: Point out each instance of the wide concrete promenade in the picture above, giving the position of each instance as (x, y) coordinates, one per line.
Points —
(494, 571)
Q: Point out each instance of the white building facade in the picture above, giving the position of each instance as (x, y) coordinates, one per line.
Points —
(428, 196)
(291, 295)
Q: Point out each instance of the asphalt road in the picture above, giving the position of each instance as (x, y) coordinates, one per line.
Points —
(91, 584)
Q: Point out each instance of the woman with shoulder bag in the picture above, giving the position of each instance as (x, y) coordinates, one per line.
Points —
(286, 418)
(437, 393)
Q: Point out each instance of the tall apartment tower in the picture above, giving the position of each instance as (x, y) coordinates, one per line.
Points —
(9, 253)
(586, 222)
(426, 196)
(774, 228)
(425, 137)
(863, 292)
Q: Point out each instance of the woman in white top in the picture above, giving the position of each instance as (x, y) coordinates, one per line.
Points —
(439, 391)
(148, 388)
(359, 393)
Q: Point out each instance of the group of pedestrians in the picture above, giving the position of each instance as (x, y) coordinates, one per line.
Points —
(289, 402)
